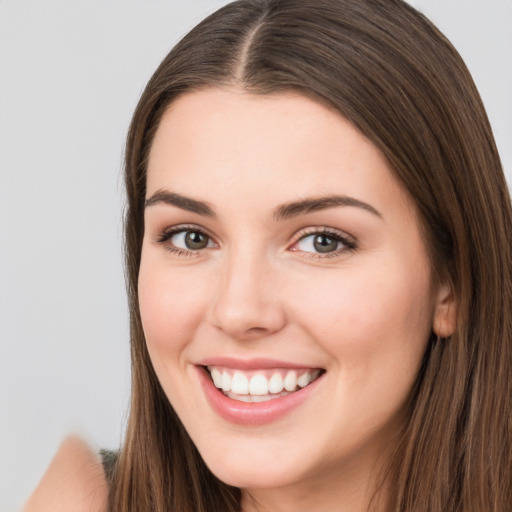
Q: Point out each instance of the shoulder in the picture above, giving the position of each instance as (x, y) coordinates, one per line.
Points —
(74, 482)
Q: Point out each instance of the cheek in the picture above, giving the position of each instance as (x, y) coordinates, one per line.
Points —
(375, 330)
(368, 317)
(172, 305)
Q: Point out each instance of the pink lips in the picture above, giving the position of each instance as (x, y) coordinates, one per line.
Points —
(244, 413)
(249, 364)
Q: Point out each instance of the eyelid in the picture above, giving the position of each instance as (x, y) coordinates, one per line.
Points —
(349, 242)
(167, 233)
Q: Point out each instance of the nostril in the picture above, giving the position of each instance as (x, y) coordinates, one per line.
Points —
(257, 330)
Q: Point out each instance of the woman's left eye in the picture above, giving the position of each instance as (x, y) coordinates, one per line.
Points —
(323, 244)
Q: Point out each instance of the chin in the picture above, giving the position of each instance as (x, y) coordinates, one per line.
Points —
(263, 460)
(261, 475)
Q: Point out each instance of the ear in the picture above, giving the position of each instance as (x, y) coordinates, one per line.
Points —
(445, 313)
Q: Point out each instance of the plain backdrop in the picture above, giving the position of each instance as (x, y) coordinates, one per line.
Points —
(70, 75)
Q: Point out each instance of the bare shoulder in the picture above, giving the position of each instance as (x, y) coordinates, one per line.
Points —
(74, 482)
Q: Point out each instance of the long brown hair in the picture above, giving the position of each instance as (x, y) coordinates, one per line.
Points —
(388, 70)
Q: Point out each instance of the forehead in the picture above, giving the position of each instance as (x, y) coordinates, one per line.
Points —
(216, 141)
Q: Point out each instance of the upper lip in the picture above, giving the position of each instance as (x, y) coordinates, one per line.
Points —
(252, 364)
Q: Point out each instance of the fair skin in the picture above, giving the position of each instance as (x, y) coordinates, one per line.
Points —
(235, 278)
(74, 481)
(344, 288)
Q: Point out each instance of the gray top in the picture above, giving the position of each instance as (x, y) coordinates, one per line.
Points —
(109, 459)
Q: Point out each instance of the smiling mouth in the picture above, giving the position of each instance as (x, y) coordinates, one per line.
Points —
(261, 385)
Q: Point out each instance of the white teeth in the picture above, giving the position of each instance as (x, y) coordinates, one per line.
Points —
(241, 398)
(226, 381)
(254, 398)
(216, 377)
(258, 385)
(240, 384)
(275, 384)
(303, 380)
(290, 381)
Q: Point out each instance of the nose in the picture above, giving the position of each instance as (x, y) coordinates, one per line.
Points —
(248, 303)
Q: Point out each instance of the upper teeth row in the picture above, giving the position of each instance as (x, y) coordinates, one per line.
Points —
(259, 384)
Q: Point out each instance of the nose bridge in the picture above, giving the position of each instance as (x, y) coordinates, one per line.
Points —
(246, 304)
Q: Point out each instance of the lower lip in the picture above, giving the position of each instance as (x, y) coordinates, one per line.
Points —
(253, 413)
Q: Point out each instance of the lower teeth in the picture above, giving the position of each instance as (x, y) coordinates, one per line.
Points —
(256, 398)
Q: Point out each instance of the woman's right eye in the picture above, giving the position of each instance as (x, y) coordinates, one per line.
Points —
(186, 240)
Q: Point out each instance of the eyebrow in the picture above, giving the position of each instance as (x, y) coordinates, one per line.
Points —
(293, 209)
(185, 203)
(283, 212)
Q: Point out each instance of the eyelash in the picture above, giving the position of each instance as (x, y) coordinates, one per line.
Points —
(348, 243)
(170, 232)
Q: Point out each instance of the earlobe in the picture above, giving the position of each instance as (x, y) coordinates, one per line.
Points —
(445, 314)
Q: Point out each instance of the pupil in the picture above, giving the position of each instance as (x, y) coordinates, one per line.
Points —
(324, 243)
(195, 240)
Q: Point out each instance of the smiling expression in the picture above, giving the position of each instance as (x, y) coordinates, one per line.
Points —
(278, 245)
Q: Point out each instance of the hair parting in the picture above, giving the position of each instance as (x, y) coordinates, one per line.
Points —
(384, 67)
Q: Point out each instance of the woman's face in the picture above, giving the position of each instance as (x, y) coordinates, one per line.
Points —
(279, 249)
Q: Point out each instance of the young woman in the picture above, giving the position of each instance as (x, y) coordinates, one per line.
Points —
(319, 265)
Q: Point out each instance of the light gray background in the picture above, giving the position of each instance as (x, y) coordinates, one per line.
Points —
(70, 76)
